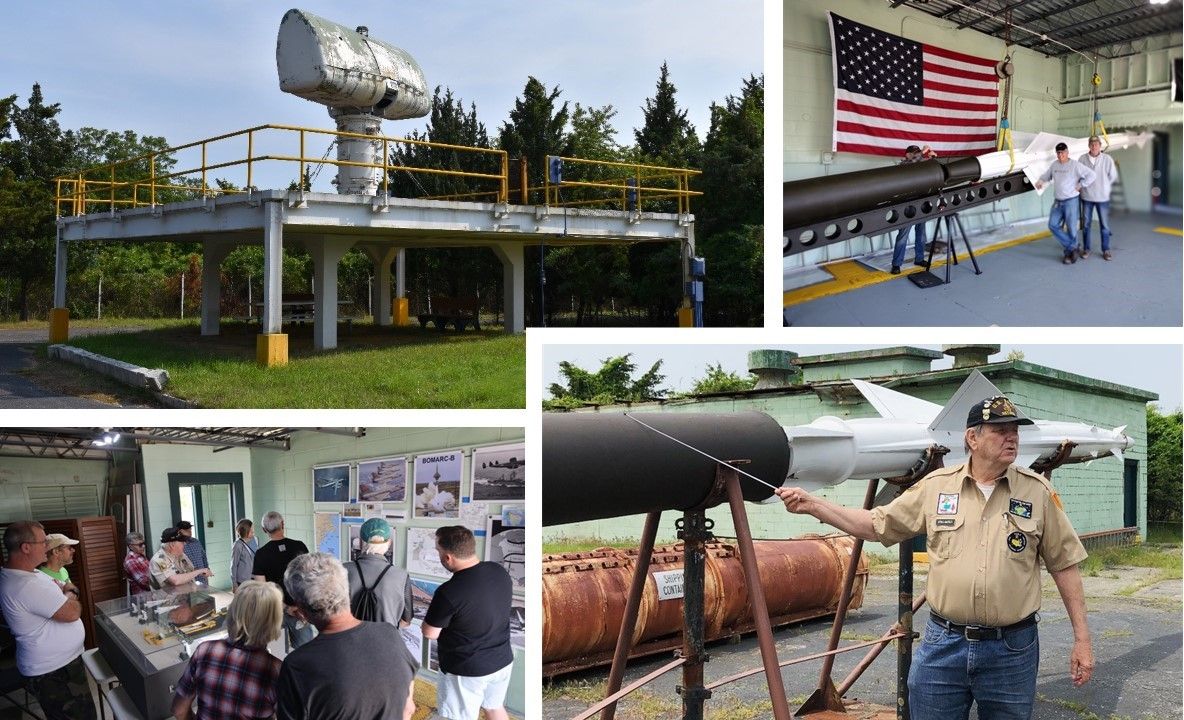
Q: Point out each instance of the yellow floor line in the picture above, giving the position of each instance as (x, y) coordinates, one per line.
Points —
(851, 275)
(1170, 231)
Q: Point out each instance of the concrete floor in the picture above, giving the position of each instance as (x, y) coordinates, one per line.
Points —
(1136, 643)
(1026, 285)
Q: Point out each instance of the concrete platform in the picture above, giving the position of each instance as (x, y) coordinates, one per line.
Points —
(1023, 284)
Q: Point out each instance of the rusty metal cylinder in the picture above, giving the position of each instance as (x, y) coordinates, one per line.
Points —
(601, 465)
(584, 595)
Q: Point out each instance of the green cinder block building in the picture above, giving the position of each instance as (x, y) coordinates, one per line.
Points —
(1104, 495)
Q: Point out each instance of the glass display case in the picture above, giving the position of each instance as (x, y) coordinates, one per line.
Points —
(148, 639)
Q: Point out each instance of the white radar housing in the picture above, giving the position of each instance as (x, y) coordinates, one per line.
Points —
(345, 69)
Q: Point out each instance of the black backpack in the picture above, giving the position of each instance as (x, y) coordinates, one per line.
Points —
(365, 605)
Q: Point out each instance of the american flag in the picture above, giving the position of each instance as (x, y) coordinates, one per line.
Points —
(891, 92)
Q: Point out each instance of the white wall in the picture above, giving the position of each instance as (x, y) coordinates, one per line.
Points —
(18, 473)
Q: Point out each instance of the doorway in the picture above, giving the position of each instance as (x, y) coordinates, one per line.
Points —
(213, 503)
(1130, 493)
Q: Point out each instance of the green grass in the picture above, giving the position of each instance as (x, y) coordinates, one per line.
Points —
(1166, 559)
(1163, 533)
(561, 545)
(372, 367)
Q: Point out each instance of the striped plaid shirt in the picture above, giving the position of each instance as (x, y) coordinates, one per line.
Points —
(230, 681)
(136, 567)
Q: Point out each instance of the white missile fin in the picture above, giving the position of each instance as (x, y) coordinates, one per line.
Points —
(974, 389)
(804, 431)
(1120, 430)
(897, 405)
(1046, 142)
(1117, 452)
(1026, 460)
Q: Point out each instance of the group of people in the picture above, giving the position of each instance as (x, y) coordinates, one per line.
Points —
(1081, 189)
(1082, 184)
(346, 656)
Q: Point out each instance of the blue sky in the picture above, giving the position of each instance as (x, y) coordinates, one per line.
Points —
(190, 70)
(1149, 367)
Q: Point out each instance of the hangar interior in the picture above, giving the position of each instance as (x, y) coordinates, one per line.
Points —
(1056, 46)
(108, 481)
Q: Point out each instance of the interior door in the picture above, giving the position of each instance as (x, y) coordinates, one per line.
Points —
(213, 502)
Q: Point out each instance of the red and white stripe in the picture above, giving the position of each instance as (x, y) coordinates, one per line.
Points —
(958, 117)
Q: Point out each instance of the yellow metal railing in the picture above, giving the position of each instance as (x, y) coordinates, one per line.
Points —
(618, 184)
(144, 182)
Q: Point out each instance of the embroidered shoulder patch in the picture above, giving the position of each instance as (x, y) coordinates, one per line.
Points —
(1020, 508)
(947, 503)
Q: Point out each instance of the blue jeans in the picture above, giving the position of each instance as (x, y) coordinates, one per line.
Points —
(1065, 211)
(949, 671)
(902, 238)
(1103, 209)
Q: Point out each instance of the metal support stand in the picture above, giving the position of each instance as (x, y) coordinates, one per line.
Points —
(632, 605)
(694, 529)
(953, 223)
(904, 646)
(826, 697)
(756, 593)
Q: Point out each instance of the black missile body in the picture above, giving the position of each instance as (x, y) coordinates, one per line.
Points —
(601, 465)
(832, 196)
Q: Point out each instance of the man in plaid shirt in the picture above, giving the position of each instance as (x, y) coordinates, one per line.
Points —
(236, 677)
(136, 564)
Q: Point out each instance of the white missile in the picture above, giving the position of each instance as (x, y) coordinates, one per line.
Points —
(1040, 152)
(831, 450)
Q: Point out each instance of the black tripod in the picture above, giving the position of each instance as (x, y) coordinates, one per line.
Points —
(953, 225)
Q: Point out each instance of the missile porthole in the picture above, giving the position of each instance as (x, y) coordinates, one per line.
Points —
(1007, 185)
(910, 212)
(854, 226)
(982, 192)
(832, 231)
(927, 207)
(807, 238)
(891, 216)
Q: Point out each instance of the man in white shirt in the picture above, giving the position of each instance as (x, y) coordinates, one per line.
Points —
(1096, 196)
(44, 620)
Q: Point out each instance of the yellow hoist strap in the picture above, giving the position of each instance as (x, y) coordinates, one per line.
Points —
(1100, 131)
(1005, 139)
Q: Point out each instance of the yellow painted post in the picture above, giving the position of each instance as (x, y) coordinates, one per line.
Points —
(300, 180)
(271, 350)
(113, 187)
(59, 325)
(686, 317)
(385, 172)
(203, 169)
(504, 195)
(152, 172)
(400, 312)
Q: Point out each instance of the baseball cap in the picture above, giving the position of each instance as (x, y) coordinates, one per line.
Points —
(56, 540)
(995, 410)
(1094, 139)
(376, 530)
(1061, 146)
(171, 535)
(912, 149)
(184, 525)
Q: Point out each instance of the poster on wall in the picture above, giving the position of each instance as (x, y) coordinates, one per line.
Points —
(370, 510)
(498, 473)
(422, 557)
(433, 656)
(351, 531)
(422, 592)
(413, 639)
(518, 624)
(326, 533)
(437, 484)
(382, 480)
(330, 483)
(473, 516)
(514, 516)
(351, 510)
(506, 546)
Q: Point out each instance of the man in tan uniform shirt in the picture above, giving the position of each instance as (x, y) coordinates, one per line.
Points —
(987, 522)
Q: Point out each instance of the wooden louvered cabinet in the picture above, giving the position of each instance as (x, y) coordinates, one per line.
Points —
(97, 566)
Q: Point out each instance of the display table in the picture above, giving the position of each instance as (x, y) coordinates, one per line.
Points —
(147, 639)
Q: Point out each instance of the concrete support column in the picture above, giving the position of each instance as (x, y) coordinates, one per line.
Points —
(271, 347)
(686, 313)
(59, 316)
(513, 282)
(402, 307)
(212, 255)
(326, 253)
(380, 293)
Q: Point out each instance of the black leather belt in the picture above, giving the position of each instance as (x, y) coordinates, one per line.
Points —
(979, 632)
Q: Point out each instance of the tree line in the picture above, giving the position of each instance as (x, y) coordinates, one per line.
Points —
(608, 285)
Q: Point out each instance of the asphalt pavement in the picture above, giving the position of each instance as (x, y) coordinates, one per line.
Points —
(1136, 642)
(19, 393)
